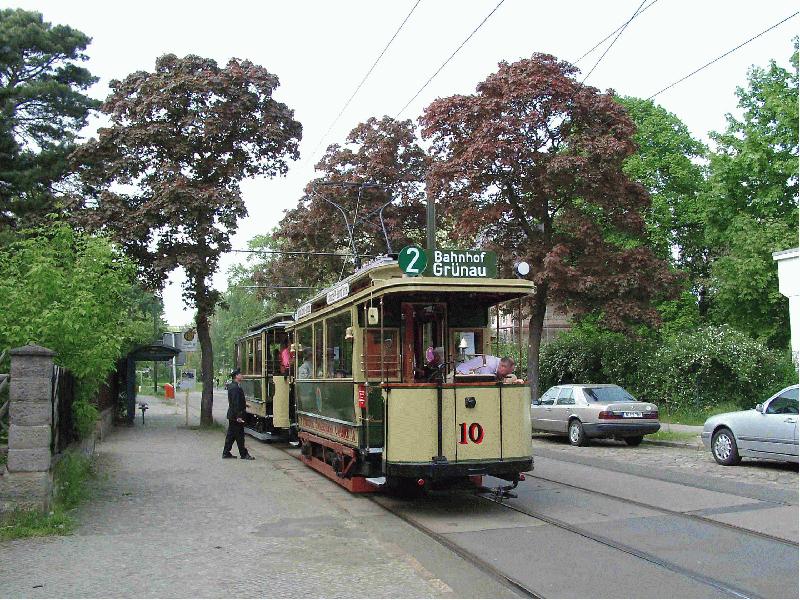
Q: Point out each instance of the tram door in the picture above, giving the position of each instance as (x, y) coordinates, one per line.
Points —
(424, 342)
(279, 381)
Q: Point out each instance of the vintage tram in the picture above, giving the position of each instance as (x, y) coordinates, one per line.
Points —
(266, 379)
(377, 397)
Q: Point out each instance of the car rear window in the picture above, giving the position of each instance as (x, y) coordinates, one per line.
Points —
(608, 394)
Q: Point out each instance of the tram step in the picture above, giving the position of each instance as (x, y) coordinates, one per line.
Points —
(263, 436)
(376, 480)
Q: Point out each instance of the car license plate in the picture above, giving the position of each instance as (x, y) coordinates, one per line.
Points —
(631, 415)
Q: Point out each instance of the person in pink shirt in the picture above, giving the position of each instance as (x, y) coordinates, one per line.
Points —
(286, 357)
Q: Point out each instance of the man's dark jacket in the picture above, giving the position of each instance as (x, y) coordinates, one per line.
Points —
(236, 402)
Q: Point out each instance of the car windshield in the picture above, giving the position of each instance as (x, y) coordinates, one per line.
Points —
(608, 394)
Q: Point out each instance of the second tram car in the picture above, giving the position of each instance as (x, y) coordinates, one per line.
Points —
(267, 380)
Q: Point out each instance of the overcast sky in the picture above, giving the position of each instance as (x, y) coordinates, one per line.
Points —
(321, 49)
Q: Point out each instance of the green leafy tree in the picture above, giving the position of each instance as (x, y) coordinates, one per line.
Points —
(70, 292)
(754, 203)
(42, 109)
(669, 162)
(164, 178)
(241, 305)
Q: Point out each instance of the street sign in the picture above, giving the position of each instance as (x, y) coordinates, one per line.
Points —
(189, 340)
(412, 260)
(188, 377)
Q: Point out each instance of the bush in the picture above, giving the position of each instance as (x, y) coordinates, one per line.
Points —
(716, 365)
(692, 372)
(588, 354)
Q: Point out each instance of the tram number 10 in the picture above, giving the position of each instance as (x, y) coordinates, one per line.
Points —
(471, 433)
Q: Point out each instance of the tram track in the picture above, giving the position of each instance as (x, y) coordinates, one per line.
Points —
(525, 590)
(468, 556)
(630, 550)
(667, 511)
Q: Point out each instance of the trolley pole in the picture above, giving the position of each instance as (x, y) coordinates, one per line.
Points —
(431, 227)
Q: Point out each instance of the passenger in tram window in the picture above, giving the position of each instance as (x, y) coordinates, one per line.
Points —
(489, 365)
(306, 369)
(286, 357)
(435, 369)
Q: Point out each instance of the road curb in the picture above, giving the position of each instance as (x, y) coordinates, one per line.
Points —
(698, 445)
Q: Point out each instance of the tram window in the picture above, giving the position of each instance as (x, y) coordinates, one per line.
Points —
(319, 351)
(339, 351)
(258, 356)
(238, 357)
(372, 354)
(249, 366)
(473, 340)
(305, 369)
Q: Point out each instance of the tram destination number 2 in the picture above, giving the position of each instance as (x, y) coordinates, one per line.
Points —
(471, 433)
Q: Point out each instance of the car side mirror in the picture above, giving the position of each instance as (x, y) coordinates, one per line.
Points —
(535, 403)
(760, 408)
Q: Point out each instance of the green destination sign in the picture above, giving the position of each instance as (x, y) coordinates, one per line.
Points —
(415, 261)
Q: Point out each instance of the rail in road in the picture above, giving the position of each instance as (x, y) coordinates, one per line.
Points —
(561, 540)
(581, 530)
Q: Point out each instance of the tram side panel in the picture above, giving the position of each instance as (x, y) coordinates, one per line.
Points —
(326, 408)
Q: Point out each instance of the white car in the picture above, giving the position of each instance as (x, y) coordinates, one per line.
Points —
(767, 431)
(584, 411)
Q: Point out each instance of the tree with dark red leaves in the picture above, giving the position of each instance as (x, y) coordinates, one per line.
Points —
(531, 166)
(163, 178)
(383, 154)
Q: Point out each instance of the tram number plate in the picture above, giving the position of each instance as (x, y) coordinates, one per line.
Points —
(632, 415)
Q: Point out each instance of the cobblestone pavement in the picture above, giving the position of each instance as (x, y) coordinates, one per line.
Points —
(687, 460)
(170, 518)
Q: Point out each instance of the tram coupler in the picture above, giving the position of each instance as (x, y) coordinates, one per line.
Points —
(501, 492)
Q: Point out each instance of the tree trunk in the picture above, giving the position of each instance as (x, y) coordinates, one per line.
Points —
(206, 367)
(535, 327)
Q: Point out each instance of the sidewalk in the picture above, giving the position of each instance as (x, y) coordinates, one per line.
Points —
(170, 518)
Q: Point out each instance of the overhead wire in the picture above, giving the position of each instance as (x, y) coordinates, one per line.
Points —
(601, 42)
(444, 64)
(366, 76)
(611, 45)
(721, 56)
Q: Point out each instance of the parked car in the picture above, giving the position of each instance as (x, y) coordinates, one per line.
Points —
(767, 431)
(584, 411)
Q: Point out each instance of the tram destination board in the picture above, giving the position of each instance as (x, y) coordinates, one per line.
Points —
(444, 262)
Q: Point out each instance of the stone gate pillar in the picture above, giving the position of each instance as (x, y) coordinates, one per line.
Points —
(27, 481)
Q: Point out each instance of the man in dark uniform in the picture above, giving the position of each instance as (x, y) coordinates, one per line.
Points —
(236, 413)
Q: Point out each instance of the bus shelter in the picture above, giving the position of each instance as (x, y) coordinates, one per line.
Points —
(150, 352)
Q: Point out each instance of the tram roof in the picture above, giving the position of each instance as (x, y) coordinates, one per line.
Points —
(383, 275)
(277, 321)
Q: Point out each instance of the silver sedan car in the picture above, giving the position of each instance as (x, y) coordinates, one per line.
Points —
(584, 411)
(767, 431)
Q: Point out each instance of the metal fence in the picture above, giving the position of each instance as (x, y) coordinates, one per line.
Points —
(63, 395)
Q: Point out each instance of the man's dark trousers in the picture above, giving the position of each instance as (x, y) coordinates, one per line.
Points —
(235, 432)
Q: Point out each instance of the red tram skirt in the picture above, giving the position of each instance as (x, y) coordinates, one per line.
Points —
(346, 457)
